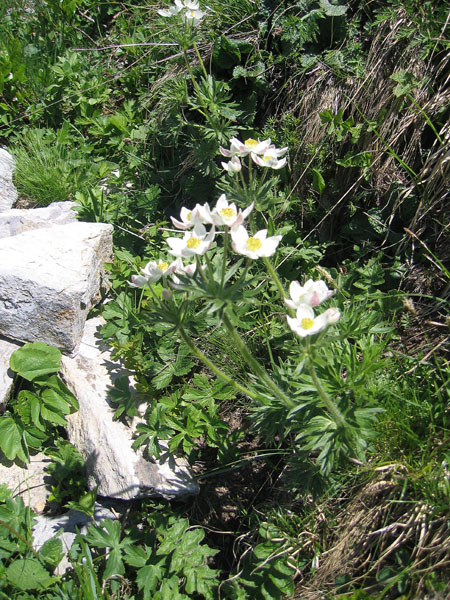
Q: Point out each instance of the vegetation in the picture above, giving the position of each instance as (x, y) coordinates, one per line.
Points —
(319, 436)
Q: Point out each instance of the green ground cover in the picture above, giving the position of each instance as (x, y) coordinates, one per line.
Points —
(319, 435)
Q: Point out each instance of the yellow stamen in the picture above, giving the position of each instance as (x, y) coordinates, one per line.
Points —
(193, 242)
(306, 323)
(163, 266)
(251, 142)
(253, 244)
(188, 216)
(227, 213)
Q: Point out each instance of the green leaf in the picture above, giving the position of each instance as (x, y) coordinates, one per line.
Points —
(332, 10)
(86, 504)
(318, 181)
(226, 53)
(11, 440)
(51, 552)
(28, 574)
(34, 360)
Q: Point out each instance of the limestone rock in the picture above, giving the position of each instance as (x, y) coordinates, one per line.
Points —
(6, 376)
(30, 482)
(106, 445)
(8, 193)
(49, 279)
(65, 527)
(15, 220)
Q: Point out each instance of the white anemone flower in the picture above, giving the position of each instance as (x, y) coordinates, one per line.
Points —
(312, 293)
(199, 214)
(305, 323)
(153, 271)
(182, 269)
(193, 242)
(270, 158)
(227, 214)
(138, 281)
(256, 246)
(233, 166)
(193, 17)
(249, 146)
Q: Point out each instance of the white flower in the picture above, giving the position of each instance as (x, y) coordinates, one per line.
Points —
(305, 323)
(138, 281)
(199, 214)
(238, 148)
(193, 242)
(189, 11)
(312, 293)
(227, 214)
(193, 17)
(182, 269)
(256, 246)
(270, 158)
(153, 271)
(233, 166)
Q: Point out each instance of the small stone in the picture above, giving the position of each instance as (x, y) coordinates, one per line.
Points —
(6, 375)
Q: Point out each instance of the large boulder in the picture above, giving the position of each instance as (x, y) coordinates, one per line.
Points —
(49, 280)
(106, 445)
(8, 193)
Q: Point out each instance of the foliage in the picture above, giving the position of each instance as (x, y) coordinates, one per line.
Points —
(122, 110)
(40, 406)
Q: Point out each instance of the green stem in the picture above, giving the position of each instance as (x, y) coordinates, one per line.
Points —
(254, 364)
(224, 258)
(275, 277)
(214, 368)
(329, 403)
(427, 119)
(200, 61)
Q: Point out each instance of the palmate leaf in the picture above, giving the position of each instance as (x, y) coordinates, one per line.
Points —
(332, 10)
(34, 360)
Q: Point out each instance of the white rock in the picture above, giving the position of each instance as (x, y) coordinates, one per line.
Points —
(65, 528)
(49, 279)
(106, 445)
(15, 220)
(30, 482)
(8, 193)
(7, 164)
(6, 375)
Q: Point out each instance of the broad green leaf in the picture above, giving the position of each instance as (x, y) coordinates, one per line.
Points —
(51, 552)
(11, 440)
(34, 360)
(332, 10)
(318, 181)
(28, 574)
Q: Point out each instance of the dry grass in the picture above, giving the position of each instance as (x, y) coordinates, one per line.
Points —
(376, 524)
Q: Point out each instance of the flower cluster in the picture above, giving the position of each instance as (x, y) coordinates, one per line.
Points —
(197, 239)
(189, 11)
(264, 154)
(303, 299)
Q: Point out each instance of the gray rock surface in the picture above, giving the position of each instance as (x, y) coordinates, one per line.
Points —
(106, 445)
(6, 376)
(49, 279)
(65, 528)
(8, 193)
(30, 482)
(16, 220)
